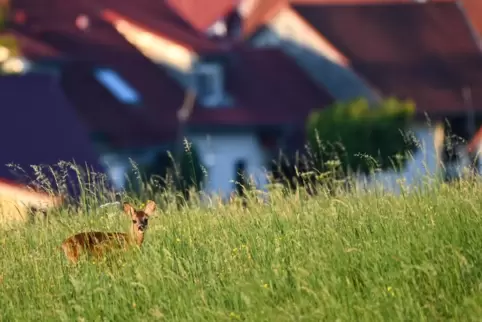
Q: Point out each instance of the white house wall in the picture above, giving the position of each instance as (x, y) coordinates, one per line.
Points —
(219, 154)
(423, 169)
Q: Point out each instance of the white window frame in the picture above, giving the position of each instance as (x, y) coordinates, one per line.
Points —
(215, 73)
(118, 86)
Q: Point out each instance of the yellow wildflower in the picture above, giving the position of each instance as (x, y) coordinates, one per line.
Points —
(233, 315)
(390, 290)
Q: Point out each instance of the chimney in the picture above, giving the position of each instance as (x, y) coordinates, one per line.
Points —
(234, 23)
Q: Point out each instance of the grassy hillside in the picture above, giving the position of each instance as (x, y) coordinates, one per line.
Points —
(354, 257)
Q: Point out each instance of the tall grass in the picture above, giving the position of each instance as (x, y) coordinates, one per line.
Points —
(350, 257)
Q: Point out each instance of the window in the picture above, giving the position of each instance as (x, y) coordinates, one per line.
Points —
(117, 86)
(209, 84)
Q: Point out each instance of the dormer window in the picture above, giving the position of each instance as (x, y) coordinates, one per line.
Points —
(209, 81)
(118, 86)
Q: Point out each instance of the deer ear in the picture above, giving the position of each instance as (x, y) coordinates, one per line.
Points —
(150, 207)
(128, 209)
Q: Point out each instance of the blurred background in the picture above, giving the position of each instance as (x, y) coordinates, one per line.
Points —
(232, 89)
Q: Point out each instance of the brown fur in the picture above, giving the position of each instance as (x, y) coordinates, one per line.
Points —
(97, 243)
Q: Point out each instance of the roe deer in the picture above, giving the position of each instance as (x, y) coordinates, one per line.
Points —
(95, 243)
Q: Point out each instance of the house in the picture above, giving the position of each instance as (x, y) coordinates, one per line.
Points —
(39, 127)
(229, 100)
(128, 104)
(129, 92)
(170, 41)
(274, 24)
(269, 99)
(262, 24)
(415, 54)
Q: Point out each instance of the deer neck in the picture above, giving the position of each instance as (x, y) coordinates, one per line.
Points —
(136, 237)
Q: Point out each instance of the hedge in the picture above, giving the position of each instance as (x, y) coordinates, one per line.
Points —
(360, 137)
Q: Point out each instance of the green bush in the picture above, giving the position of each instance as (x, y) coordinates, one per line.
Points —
(191, 168)
(360, 137)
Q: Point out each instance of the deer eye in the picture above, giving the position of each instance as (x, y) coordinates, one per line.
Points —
(134, 221)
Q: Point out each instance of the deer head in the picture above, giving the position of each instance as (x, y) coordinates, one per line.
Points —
(139, 218)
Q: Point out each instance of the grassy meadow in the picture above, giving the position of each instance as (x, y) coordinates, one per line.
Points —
(354, 257)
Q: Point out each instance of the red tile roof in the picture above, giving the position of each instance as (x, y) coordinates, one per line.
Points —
(169, 25)
(269, 89)
(43, 16)
(157, 11)
(435, 87)
(57, 29)
(263, 11)
(153, 122)
(31, 48)
(39, 126)
(355, 2)
(101, 45)
(407, 49)
(201, 14)
(473, 9)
